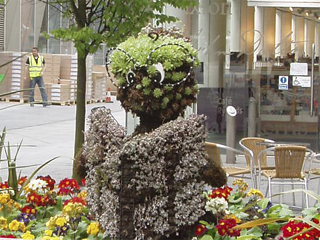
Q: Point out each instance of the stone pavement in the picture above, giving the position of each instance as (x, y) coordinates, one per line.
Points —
(45, 132)
(49, 132)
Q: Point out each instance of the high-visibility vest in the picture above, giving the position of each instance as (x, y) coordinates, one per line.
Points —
(34, 67)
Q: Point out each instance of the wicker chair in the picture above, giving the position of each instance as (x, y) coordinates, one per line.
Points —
(289, 164)
(213, 150)
(254, 147)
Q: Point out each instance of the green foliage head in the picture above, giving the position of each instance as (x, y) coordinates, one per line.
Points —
(163, 65)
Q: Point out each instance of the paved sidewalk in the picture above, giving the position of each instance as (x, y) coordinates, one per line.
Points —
(50, 130)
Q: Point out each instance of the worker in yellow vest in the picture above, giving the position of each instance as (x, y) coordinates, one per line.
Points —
(35, 66)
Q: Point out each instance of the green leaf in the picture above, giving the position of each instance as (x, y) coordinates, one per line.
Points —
(206, 237)
(263, 203)
(1, 77)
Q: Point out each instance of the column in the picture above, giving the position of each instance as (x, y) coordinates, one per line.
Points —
(203, 38)
(247, 31)
(258, 33)
(283, 33)
(286, 33)
(269, 32)
(278, 35)
(13, 26)
(235, 39)
(317, 38)
(298, 30)
(217, 43)
(310, 35)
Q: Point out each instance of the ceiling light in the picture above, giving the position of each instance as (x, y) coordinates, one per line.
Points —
(291, 9)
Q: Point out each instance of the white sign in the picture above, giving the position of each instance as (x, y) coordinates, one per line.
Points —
(283, 82)
(231, 111)
(299, 69)
(301, 81)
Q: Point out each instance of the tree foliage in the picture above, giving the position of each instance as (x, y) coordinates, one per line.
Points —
(96, 21)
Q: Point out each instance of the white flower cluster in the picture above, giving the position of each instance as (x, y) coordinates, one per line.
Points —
(217, 205)
(37, 184)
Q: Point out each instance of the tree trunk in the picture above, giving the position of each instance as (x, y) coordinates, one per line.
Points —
(81, 110)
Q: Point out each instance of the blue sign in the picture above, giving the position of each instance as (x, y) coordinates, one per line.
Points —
(283, 82)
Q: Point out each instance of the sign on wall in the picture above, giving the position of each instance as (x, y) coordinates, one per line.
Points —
(301, 81)
(283, 82)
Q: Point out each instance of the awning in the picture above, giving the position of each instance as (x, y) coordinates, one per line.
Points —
(285, 3)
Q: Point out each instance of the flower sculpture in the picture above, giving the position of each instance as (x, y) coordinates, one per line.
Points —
(149, 185)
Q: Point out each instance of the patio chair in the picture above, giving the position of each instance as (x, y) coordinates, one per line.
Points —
(289, 163)
(213, 150)
(314, 172)
(254, 146)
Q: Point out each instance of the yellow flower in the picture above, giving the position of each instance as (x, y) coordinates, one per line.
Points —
(3, 223)
(48, 232)
(22, 226)
(67, 209)
(14, 225)
(4, 198)
(238, 182)
(83, 194)
(255, 192)
(232, 216)
(46, 238)
(93, 229)
(244, 187)
(61, 221)
(28, 235)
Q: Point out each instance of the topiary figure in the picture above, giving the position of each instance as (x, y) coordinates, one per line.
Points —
(149, 185)
(155, 76)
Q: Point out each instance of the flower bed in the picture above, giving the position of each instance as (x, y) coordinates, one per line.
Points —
(245, 215)
(43, 209)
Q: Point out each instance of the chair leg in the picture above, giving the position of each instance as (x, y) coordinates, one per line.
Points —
(306, 188)
(293, 195)
(269, 187)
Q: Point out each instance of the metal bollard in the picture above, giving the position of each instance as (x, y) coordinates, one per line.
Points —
(252, 117)
(231, 133)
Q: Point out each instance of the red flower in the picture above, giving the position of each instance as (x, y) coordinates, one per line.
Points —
(67, 186)
(22, 180)
(223, 192)
(200, 229)
(225, 227)
(50, 181)
(4, 185)
(8, 236)
(29, 209)
(34, 198)
(75, 200)
(83, 182)
(293, 227)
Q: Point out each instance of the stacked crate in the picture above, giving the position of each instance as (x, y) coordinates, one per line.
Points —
(69, 71)
(14, 74)
(89, 86)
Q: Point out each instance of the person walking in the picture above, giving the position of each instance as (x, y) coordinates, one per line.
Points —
(35, 66)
